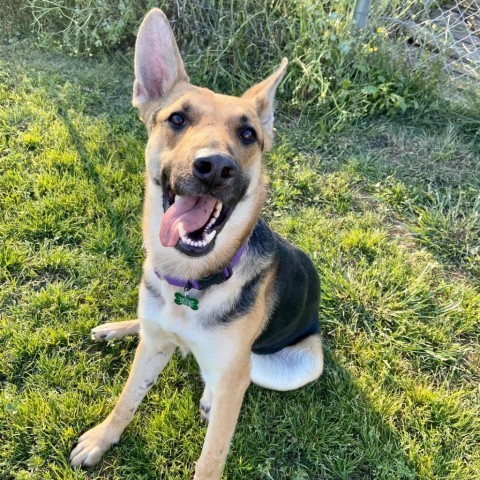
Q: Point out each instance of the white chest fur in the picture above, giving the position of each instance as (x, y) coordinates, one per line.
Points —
(161, 317)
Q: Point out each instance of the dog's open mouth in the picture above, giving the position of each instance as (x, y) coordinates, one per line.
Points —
(191, 223)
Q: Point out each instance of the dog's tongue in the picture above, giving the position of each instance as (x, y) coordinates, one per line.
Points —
(190, 213)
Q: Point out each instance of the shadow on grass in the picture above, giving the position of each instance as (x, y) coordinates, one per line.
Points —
(325, 430)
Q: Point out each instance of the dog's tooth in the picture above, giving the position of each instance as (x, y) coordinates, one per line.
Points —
(218, 209)
(209, 236)
(182, 232)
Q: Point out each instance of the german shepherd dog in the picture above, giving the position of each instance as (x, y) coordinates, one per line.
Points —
(217, 281)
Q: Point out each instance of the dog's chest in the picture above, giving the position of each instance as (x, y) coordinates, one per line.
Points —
(179, 320)
(190, 318)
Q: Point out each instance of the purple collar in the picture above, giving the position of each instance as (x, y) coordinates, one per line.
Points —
(205, 282)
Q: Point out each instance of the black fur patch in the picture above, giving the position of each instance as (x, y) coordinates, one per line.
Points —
(295, 293)
(244, 303)
(262, 241)
(260, 248)
(294, 315)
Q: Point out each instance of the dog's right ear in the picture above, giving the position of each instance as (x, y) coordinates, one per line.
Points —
(158, 64)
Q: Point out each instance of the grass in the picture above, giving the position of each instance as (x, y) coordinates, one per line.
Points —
(387, 208)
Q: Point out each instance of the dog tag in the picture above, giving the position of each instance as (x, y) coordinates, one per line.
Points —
(186, 300)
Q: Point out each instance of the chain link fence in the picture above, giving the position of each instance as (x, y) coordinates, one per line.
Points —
(445, 31)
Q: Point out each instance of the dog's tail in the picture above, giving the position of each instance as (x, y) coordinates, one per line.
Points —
(291, 367)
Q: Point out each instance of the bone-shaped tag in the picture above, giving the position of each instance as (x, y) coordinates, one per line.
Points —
(187, 301)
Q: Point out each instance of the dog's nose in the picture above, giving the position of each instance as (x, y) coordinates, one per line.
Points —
(215, 170)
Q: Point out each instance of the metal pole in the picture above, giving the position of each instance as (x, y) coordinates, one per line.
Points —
(360, 14)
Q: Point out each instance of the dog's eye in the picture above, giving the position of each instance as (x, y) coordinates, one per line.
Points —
(247, 135)
(177, 119)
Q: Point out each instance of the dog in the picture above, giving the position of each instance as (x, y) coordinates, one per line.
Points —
(217, 282)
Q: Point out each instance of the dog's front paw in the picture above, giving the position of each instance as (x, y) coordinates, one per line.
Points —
(109, 331)
(92, 445)
(100, 333)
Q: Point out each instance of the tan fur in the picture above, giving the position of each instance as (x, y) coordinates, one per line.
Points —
(227, 385)
(223, 354)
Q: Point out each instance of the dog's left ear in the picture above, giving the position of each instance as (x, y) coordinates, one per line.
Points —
(158, 64)
(263, 94)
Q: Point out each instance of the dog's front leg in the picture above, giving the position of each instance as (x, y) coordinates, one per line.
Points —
(227, 396)
(146, 367)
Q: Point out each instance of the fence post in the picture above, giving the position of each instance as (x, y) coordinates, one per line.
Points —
(360, 14)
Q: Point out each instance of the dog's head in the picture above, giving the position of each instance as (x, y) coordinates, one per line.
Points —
(204, 149)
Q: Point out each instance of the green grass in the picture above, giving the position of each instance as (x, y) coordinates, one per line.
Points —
(387, 208)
